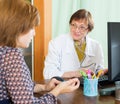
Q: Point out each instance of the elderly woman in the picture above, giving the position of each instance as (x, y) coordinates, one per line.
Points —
(70, 53)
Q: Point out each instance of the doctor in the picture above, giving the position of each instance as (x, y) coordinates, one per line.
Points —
(70, 53)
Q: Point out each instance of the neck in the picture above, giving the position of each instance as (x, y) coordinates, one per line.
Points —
(80, 42)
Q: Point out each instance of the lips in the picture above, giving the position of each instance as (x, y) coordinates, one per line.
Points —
(76, 35)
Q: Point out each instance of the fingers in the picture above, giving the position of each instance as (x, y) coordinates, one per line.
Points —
(52, 84)
(74, 82)
(77, 82)
(105, 71)
(66, 86)
(55, 81)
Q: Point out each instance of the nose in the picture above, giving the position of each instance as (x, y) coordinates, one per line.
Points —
(77, 29)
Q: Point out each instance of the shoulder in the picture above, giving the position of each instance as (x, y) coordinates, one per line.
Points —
(92, 42)
(11, 50)
(93, 45)
(60, 40)
(61, 37)
(10, 53)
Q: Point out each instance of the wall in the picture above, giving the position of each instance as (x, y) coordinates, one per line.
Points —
(102, 11)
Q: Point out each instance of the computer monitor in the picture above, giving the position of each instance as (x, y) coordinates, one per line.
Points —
(113, 51)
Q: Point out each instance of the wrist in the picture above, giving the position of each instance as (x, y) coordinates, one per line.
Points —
(43, 87)
(39, 87)
(55, 92)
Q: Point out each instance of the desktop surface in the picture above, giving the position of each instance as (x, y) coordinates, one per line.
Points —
(77, 97)
(105, 86)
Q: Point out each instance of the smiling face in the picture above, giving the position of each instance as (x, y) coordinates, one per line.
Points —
(79, 29)
(24, 40)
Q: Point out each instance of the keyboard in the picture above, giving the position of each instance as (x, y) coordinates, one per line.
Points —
(102, 80)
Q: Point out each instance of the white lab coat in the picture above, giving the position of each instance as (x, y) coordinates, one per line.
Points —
(62, 56)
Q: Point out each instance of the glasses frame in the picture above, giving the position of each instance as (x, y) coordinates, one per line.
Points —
(80, 28)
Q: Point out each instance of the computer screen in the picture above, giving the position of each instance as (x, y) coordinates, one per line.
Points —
(113, 51)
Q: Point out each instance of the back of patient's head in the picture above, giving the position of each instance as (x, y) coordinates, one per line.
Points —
(16, 17)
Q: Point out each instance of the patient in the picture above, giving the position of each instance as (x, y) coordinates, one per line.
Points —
(17, 22)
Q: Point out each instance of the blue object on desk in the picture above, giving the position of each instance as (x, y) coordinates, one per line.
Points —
(90, 87)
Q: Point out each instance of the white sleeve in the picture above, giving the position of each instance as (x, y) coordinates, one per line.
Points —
(100, 58)
(53, 61)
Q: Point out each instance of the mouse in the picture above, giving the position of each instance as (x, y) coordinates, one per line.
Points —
(59, 78)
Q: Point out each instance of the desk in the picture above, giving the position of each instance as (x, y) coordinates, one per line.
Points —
(77, 97)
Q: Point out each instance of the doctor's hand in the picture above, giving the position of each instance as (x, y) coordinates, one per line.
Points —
(71, 74)
(66, 86)
(101, 72)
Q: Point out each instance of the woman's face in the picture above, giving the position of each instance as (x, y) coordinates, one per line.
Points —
(79, 29)
(24, 40)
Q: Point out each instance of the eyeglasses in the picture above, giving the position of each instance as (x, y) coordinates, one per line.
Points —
(80, 28)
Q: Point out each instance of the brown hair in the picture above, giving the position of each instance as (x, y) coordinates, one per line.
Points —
(83, 14)
(16, 17)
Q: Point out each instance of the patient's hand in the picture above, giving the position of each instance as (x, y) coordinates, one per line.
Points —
(66, 86)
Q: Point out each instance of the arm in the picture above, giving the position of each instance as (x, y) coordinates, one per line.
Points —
(46, 87)
(52, 61)
(19, 83)
(39, 88)
(100, 61)
(99, 57)
(71, 74)
(57, 87)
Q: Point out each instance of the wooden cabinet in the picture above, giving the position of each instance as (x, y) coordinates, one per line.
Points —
(42, 37)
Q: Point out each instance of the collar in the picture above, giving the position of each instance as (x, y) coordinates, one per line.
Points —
(70, 45)
(89, 47)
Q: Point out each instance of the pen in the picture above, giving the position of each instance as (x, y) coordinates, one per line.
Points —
(89, 74)
(99, 73)
(93, 76)
(84, 75)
